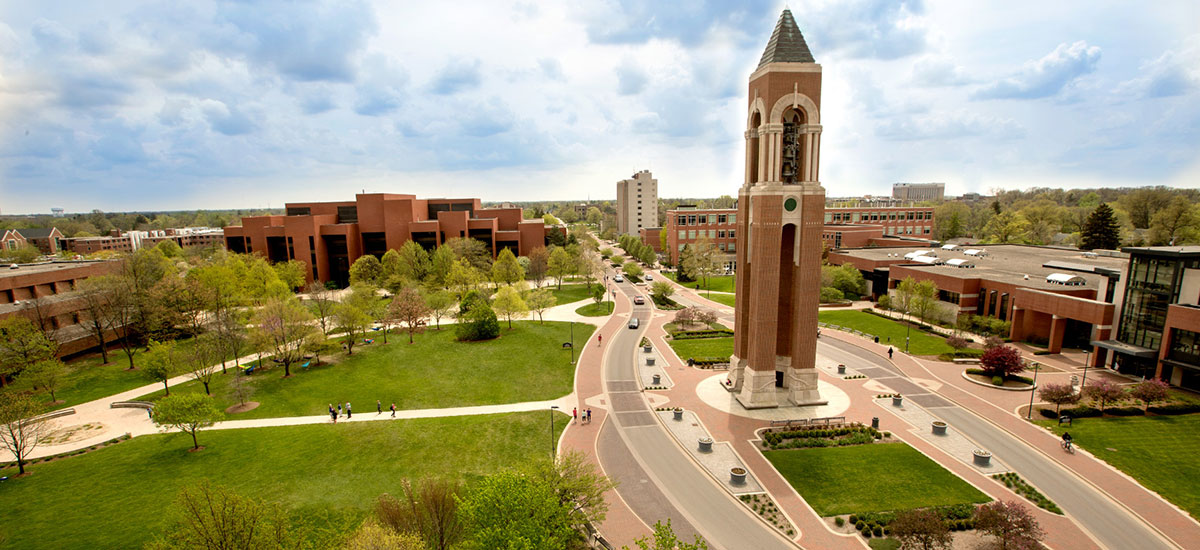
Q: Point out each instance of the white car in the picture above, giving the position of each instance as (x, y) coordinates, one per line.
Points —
(619, 279)
(649, 277)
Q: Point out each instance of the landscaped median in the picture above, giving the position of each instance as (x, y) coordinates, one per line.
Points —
(526, 363)
(891, 333)
(327, 476)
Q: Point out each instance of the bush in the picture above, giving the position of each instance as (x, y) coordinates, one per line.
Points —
(839, 521)
(1047, 413)
(1125, 411)
(1082, 411)
(1176, 408)
(860, 525)
(997, 380)
(854, 519)
(877, 531)
(477, 320)
(830, 295)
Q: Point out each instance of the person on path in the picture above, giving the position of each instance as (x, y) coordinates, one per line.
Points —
(378, 407)
(150, 413)
(599, 340)
(589, 415)
(348, 413)
(574, 414)
(333, 415)
(393, 410)
(890, 351)
(339, 409)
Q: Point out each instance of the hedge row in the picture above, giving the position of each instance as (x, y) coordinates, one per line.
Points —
(694, 334)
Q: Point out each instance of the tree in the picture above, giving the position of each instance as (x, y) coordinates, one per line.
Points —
(160, 363)
(594, 216)
(958, 343)
(1002, 361)
(921, 529)
(414, 262)
(291, 273)
(25, 253)
(508, 304)
(440, 304)
(701, 261)
(924, 299)
(390, 262)
(1103, 392)
(540, 300)
(950, 220)
(1059, 394)
(510, 510)
(578, 485)
(1143, 203)
(1101, 230)
(20, 431)
(660, 291)
(214, 518)
(685, 316)
(440, 263)
(46, 374)
(93, 296)
(539, 263)
(281, 326)
(560, 264)
(187, 412)
(21, 345)
(1150, 391)
(428, 510)
(408, 308)
(666, 539)
(1011, 523)
(366, 270)
(353, 321)
(845, 278)
(322, 302)
(1178, 223)
(632, 269)
(476, 320)
(474, 251)
(506, 269)
(463, 277)
(202, 359)
(240, 390)
(1006, 227)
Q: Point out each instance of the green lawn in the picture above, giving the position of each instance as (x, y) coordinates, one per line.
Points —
(526, 363)
(570, 293)
(922, 343)
(88, 379)
(870, 478)
(720, 283)
(727, 299)
(1161, 452)
(596, 310)
(703, 347)
(326, 474)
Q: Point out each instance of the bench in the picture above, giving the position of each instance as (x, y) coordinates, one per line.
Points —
(54, 414)
(966, 360)
(131, 405)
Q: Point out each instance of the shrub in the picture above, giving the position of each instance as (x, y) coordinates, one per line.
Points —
(477, 321)
(854, 519)
(1175, 408)
(877, 531)
(860, 525)
(839, 521)
(1082, 411)
(1059, 394)
(1047, 413)
(1125, 411)
(997, 380)
(830, 295)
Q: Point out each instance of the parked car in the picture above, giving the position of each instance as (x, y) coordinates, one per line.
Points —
(619, 279)
(633, 323)
(639, 300)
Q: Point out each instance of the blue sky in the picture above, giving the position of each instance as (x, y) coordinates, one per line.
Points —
(126, 105)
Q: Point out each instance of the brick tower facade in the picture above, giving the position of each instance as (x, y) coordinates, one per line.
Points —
(780, 215)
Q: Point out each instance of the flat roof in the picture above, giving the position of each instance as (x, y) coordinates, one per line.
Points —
(26, 269)
(1178, 251)
(1008, 263)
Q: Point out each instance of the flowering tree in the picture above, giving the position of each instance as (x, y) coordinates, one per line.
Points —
(921, 529)
(1150, 391)
(1011, 523)
(1103, 392)
(1059, 394)
(1002, 361)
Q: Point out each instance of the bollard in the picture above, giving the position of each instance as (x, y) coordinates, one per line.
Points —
(657, 379)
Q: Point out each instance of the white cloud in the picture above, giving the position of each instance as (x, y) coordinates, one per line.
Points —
(1046, 76)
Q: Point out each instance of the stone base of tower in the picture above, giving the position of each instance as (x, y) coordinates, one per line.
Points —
(802, 388)
(758, 389)
(737, 367)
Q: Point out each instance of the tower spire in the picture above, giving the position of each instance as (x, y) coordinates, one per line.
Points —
(787, 45)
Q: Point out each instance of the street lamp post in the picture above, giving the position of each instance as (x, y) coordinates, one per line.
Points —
(1086, 362)
(1033, 391)
(553, 451)
(572, 342)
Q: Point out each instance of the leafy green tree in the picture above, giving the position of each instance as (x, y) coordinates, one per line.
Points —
(20, 433)
(1006, 227)
(701, 262)
(474, 251)
(211, 517)
(169, 249)
(440, 263)
(924, 299)
(664, 538)
(463, 277)
(594, 216)
(846, 278)
(1101, 230)
(1177, 224)
(476, 320)
(830, 295)
(1143, 203)
(281, 326)
(414, 262)
(512, 511)
(390, 262)
(632, 269)
(506, 269)
(352, 320)
(22, 345)
(160, 363)
(950, 220)
(187, 412)
(366, 270)
(440, 304)
(560, 264)
(46, 374)
(542, 299)
(539, 263)
(291, 273)
(410, 310)
(660, 291)
(508, 304)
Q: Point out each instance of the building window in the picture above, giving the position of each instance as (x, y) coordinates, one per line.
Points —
(703, 219)
(721, 234)
(733, 218)
(828, 217)
(721, 247)
(947, 296)
(682, 234)
(731, 248)
(691, 234)
(680, 220)
(731, 235)
(712, 233)
(720, 218)
(692, 220)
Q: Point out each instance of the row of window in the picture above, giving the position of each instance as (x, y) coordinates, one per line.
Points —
(877, 216)
(705, 219)
(711, 234)
(909, 230)
(723, 247)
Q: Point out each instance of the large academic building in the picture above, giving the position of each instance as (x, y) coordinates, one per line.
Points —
(330, 236)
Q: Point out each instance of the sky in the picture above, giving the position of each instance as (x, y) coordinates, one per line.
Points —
(136, 105)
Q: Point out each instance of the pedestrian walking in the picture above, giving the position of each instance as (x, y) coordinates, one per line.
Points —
(378, 407)
(339, 409)
(333, 415)
(599, 340)
(150, 413)
(589, 415)
(574, 414)
(348, 413)
(393, 410)
(890, 351)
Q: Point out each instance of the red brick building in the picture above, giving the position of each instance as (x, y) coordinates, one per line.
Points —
(330, 236)
(909, 221)
(45, 293)
(48, 240)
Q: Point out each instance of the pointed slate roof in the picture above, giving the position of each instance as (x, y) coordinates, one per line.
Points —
(787, 44)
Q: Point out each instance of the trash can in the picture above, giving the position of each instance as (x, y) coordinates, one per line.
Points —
(876, 339)
(875, 422)
(841, 369)
(657, 379)
(649, 361)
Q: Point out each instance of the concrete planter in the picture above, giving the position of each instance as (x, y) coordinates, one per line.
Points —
(841, 369)
(939, 427)
(982, 457)
(646, 349)
(678, 413)
(737, 476)
(649, 361)
(657, 379)
(705, 444)
(898, 401)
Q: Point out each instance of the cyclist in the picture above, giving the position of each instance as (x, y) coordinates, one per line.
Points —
(1067, 441)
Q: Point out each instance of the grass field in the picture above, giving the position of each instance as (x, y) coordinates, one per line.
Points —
(922, 343)
(327, 474)
(720, 283)
(526, 363)
(596, 310)
(570, 293)
(1161, 452)
(726, 299)
(870, 478)
(703, 347)
(88, 379)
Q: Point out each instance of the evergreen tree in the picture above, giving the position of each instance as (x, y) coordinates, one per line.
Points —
(1101, 230)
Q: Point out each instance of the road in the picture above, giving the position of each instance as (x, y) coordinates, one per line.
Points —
(1111, 525)
(708, 509)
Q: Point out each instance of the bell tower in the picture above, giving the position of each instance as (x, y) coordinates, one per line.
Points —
(781, 209)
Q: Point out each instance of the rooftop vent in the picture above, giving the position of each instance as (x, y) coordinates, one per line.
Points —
(1065, 279)
(960, 262)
